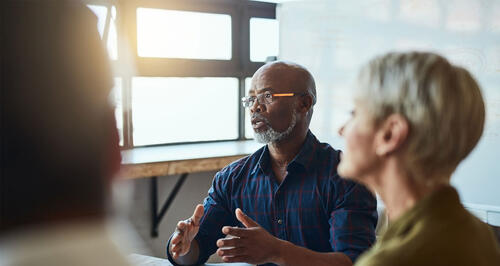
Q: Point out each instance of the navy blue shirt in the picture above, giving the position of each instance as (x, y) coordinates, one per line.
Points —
(313, 207)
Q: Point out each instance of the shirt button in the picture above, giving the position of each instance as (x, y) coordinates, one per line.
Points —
(280, 221)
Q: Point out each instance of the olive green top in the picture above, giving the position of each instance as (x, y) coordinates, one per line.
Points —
(438, 230)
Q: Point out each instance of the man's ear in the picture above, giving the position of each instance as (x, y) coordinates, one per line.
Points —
(391, 135)
(305, 103)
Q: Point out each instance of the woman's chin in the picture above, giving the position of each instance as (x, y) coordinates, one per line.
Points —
(343, 171)
(347, 172)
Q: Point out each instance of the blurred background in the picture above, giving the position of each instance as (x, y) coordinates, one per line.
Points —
(193, 61)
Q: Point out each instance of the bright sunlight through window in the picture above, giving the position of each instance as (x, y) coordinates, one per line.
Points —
(264, 39)
(111, 42)
(181, 34)
(169, 110)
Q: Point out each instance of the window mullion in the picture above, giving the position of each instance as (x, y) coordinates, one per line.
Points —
(127, 44)
(241, 109)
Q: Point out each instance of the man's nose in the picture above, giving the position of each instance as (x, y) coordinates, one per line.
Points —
(256, 107)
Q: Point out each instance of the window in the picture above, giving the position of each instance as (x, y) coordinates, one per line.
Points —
(248, 124)
(116, 99)
(181, 34)
(106, 25)
(106, 28)
(264, 39)
(192, 60)
(170, 110)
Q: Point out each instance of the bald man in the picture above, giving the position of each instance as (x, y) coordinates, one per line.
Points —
(284, 204)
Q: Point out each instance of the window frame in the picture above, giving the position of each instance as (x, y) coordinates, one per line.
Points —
(239, 66)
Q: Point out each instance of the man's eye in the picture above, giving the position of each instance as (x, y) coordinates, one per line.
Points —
(267, 95)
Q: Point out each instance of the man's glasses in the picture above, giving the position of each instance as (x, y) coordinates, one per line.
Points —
(266, 98)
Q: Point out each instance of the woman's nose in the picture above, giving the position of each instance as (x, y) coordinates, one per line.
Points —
(341, 130)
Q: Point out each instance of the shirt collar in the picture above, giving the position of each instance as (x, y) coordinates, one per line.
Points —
(305, 157)
(263, 161)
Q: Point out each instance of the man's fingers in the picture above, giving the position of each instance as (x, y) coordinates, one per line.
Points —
(176, 255)
(176, 238)
(235, 231)
(229, 242)
(179, 232)
(244, 219)
(197, 215)
(181, 226)
(231, 252)
(176, 247)
(243, 258)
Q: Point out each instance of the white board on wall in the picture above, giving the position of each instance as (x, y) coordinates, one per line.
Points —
(333, 38)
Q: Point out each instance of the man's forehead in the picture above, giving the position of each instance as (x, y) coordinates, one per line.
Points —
(254, 90)
(267, 82)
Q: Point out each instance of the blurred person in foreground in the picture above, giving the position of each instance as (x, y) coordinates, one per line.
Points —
(416, 117)
(59, 138)
(285, 203)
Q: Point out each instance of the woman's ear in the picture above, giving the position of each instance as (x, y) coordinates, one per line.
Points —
(391, 135)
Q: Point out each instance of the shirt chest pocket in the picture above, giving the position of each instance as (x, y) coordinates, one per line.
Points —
(255, 200)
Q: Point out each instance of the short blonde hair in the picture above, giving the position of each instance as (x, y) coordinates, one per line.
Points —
(442, 103)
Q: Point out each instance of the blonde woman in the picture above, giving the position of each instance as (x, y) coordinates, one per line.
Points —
(416, 118)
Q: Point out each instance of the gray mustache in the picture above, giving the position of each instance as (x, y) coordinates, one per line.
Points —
(260, 117)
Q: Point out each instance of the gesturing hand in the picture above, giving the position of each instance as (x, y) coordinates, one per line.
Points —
(252, 244)
(185, 232)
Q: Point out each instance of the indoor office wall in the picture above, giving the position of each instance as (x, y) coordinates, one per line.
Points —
(193, 191)
(333, 38)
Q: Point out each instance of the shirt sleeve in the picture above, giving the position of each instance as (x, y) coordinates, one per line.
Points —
(217, 214)
(353, 220)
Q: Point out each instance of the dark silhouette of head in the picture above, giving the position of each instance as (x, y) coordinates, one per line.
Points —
(59, 141)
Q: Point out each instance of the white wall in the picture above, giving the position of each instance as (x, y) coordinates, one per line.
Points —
(333, 38)
(193, 191)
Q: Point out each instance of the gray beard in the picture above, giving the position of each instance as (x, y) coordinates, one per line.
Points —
(273, 136)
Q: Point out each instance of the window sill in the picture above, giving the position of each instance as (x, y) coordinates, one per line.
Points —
(183, 158)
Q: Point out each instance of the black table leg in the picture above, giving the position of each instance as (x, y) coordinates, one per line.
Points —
(155, 216)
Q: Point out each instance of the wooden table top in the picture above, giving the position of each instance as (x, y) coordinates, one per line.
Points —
(186, 158)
